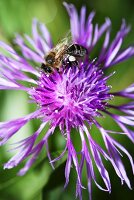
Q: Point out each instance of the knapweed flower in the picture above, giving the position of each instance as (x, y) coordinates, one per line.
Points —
(76, 98)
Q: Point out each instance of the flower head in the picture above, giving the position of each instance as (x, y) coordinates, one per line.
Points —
(73, 98)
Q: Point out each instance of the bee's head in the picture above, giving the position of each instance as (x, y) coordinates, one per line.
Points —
(50, 58)
(46, 68)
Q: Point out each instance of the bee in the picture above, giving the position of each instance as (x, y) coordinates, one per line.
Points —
(63, 55)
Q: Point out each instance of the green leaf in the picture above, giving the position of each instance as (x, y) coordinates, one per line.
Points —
(56, 179)
(29, 187)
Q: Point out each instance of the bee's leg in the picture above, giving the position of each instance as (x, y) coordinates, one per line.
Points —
(58, 69)
(65, 61)
(73, 61)
(47, 69)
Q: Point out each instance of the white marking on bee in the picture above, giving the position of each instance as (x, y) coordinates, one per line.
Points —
(72, 58)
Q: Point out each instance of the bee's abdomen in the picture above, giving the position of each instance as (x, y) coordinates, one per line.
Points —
(76, 50)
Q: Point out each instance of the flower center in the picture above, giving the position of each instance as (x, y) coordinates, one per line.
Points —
(61, 94)
(75, 95)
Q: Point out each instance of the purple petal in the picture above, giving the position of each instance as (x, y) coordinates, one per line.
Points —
(43, 41)
(49, 156)
(74, 21)
(35, 151)
(122, 121)
(103, 172)
(68, 169)
(27, 52)
(25, 148)
(113, 53)
(46, 35)
(78, 187)
(100, 31)
(8, 129)
(82, 21)
(115, 158)
(127, 53)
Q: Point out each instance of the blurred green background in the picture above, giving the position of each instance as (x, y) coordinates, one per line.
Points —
(41, 182)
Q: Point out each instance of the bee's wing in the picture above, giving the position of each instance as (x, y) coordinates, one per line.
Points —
(66, 41)
(60, 50)
(68, 37)
(61, 47)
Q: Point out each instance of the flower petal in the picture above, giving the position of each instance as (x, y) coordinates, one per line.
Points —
(8, 129)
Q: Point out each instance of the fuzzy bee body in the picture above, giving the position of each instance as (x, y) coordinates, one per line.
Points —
(76, 50)
(63, 54)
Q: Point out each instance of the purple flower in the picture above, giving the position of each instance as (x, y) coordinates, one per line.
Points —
(74, 98)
